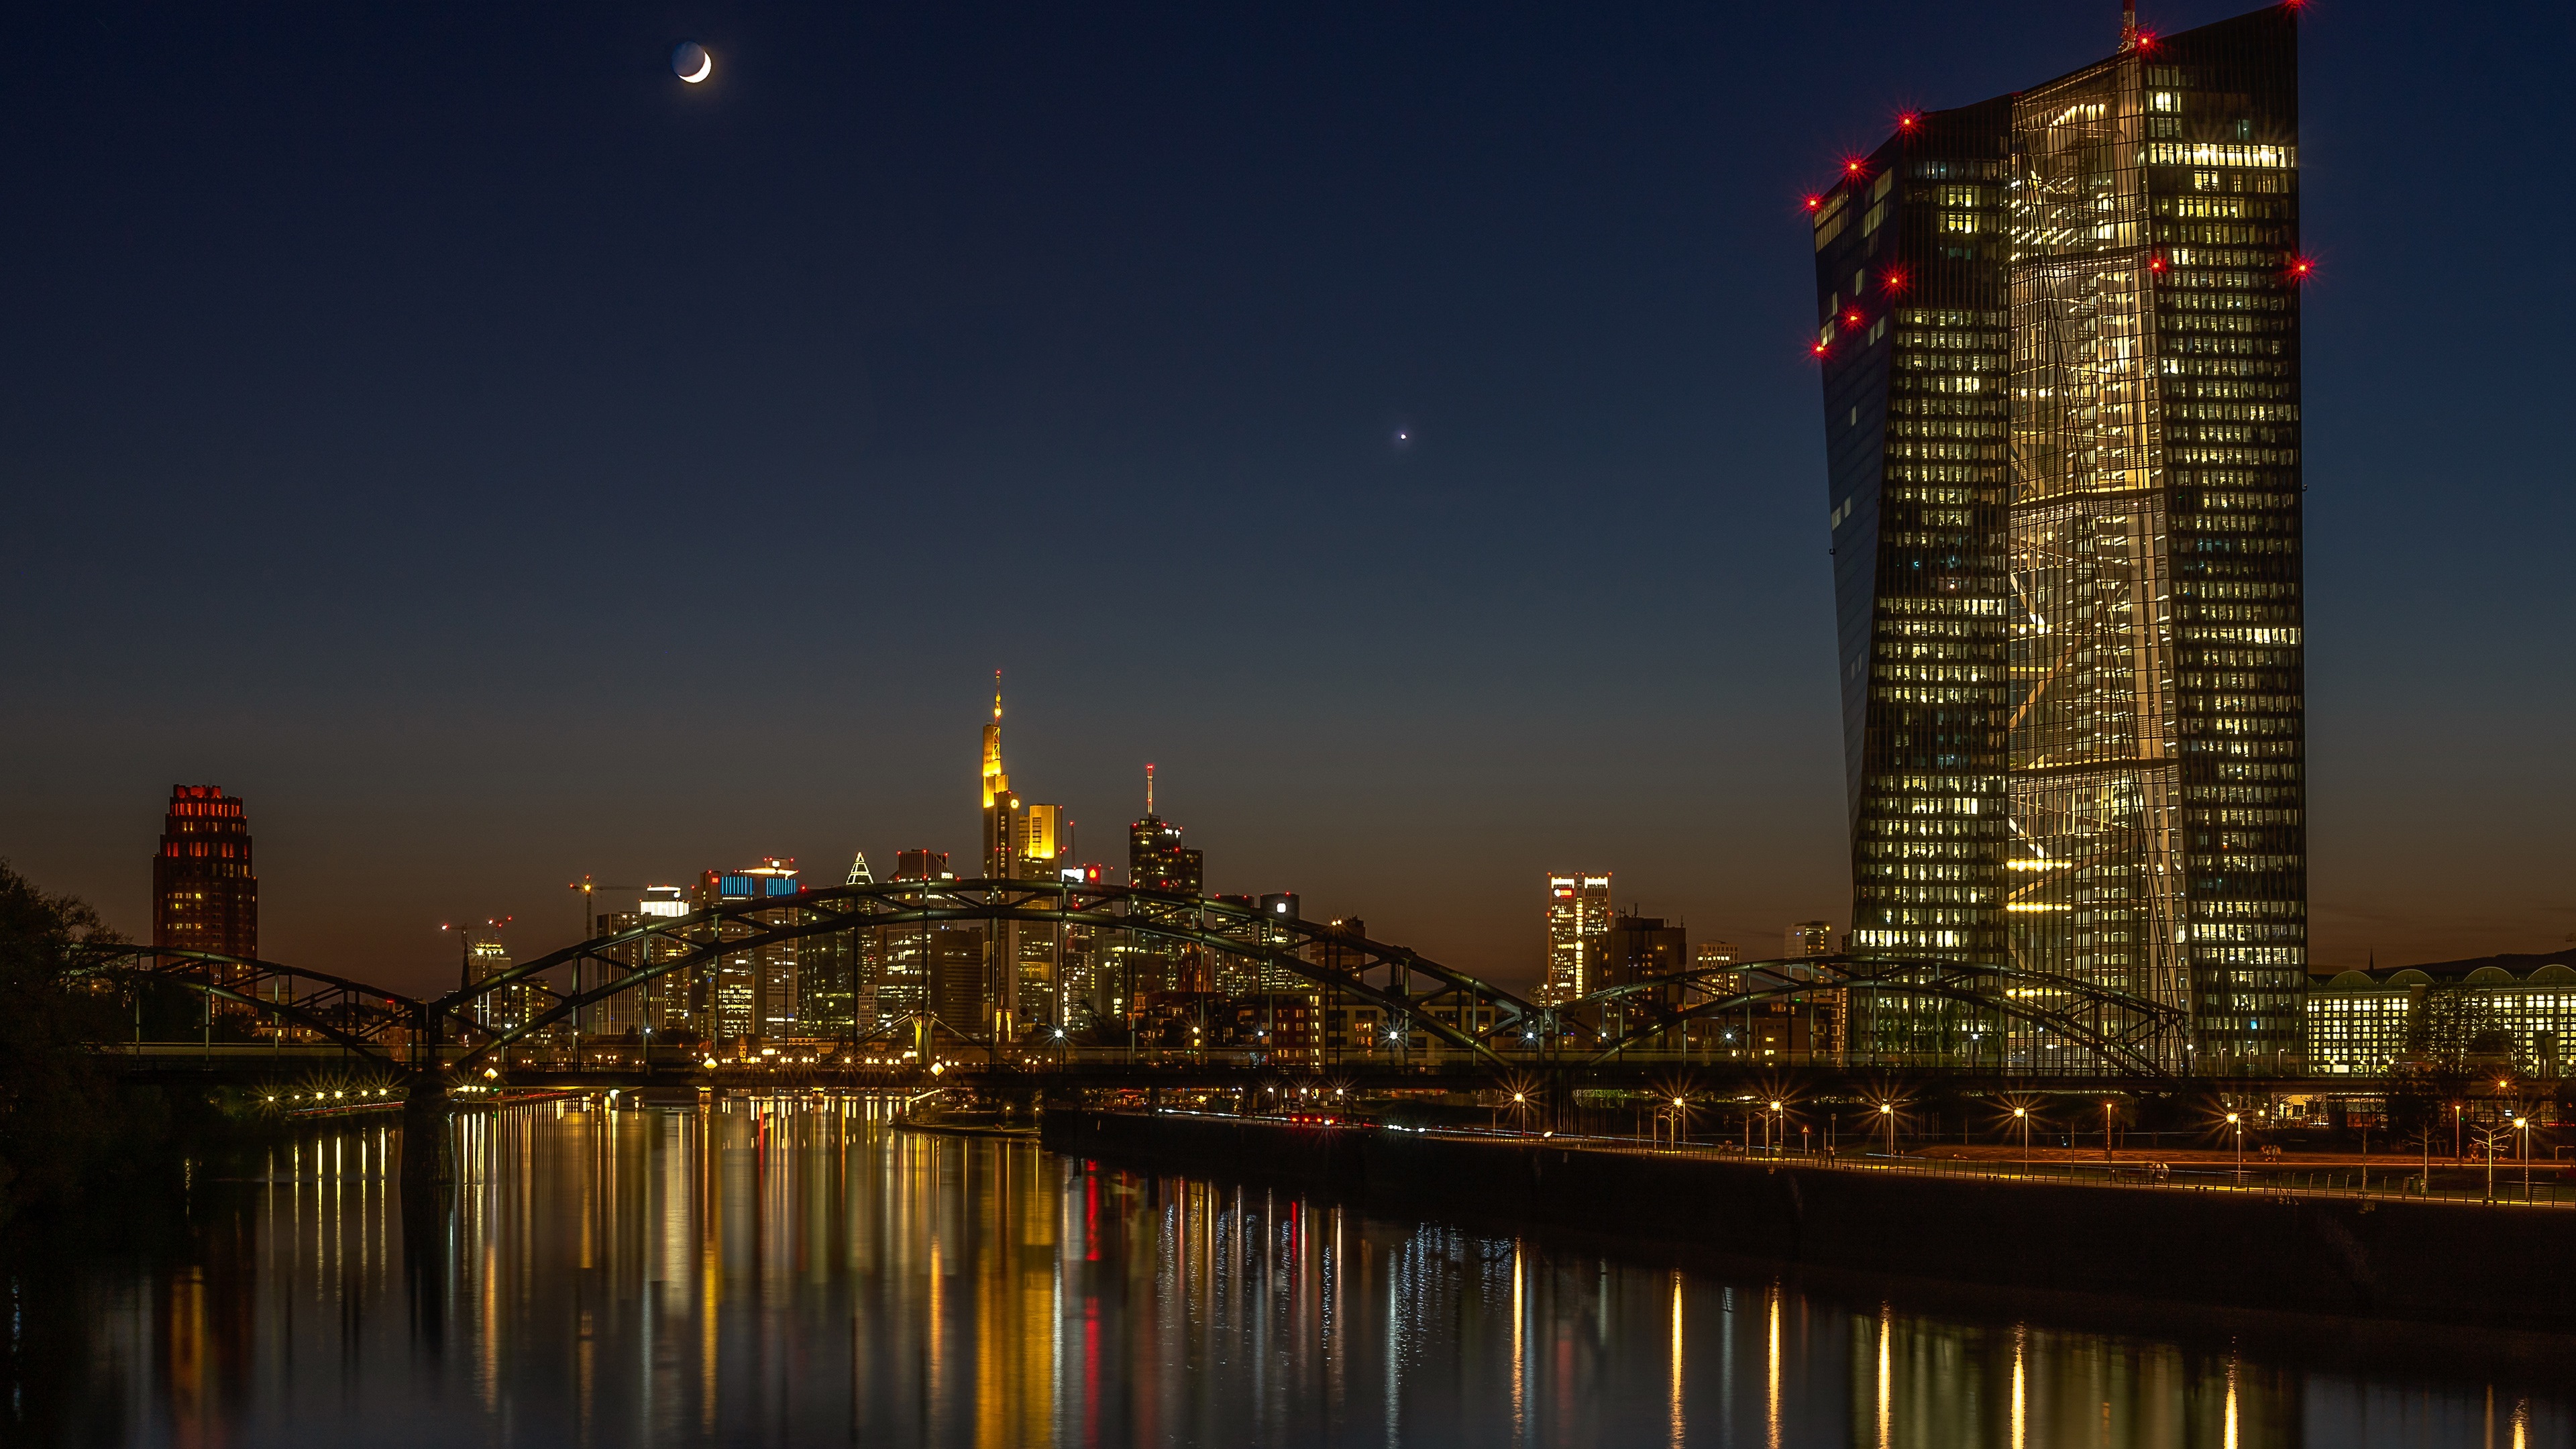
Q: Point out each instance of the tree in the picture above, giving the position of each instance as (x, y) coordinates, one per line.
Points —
(2453, 1029)
(62, 1112)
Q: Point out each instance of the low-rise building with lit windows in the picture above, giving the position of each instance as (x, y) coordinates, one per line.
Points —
(2367, 1023)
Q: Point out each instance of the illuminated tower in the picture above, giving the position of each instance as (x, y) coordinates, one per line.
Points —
(1013, 832)
(204, 896)
(1578, 913)
(2061, 375)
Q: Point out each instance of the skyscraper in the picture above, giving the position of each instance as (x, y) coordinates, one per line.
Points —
(1578, 912)
(204, 896)
(837, 972)
(903, 952)
(751, 994)
(1021, 842)
(660, 1006)
(1639, 949)
(2061, 374)
(486, 955)
(1157, 861)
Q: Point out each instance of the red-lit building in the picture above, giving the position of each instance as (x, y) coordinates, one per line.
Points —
(204, 896)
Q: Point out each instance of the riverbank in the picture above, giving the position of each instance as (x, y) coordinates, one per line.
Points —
(2350, 1255)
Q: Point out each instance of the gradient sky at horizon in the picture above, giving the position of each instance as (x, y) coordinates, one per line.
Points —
(500, 463)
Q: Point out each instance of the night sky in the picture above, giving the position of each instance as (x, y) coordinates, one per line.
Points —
(500, 463)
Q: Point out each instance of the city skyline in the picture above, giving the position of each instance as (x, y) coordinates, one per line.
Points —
(1579, 612)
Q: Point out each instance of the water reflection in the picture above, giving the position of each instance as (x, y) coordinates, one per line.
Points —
(782, 1273)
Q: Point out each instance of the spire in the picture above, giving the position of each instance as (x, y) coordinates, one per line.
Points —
(1149, 789)
(2128, 26)
(859, 872)
(995, 782)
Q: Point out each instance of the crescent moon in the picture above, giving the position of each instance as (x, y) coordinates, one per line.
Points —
(706, 67)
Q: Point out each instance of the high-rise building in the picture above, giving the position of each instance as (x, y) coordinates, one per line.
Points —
(1578, 911)
(1003, 825)
(960, 984)
(616, 1015)
(837, 972)
(1348, 1023)
(1717, 960)
(204, 895)
(1088, 993)
(2061, 375)
(1021, 842)
(665, 1008)
(1643, 950)
(922, 865)
(1044, 843)
(1807, 938)
(660, 1005)
(751, 994)
(1157, 861)
(1233, 973)
(486, 954)
(903, 952)
(1041, 849)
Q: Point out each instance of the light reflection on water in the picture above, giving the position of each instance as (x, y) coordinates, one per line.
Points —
(769, 1274)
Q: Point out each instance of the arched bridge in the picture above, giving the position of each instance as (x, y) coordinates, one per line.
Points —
(1900, 1011)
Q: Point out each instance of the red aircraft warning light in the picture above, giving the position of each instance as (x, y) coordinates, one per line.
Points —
(1893, 279)
(2155, 264)
(1852, 318)
(2301, 268)
(1908, 121)
(1815, 203)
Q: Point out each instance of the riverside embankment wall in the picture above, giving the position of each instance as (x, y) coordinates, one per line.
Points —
(2462, 1262)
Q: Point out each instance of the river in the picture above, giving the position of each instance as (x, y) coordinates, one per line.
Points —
(799, 1273)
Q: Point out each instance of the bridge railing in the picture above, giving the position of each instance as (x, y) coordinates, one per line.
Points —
(2400, 1179)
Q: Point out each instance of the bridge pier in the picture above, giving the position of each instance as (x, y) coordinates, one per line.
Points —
(428, 1158)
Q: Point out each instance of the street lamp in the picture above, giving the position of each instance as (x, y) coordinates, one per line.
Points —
(2022, 1115)
(2523, 1125)
(1887, 1116)
(2238, 1123)
(2106, 1132)
(1770, 1139)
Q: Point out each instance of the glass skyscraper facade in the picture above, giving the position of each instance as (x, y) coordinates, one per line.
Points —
(2059, 337)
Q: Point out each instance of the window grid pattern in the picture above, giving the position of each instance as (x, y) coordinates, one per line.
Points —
(2059, 337)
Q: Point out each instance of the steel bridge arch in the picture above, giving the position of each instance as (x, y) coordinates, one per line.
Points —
(1982, 985)
(738, 926)
(311, 1010)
